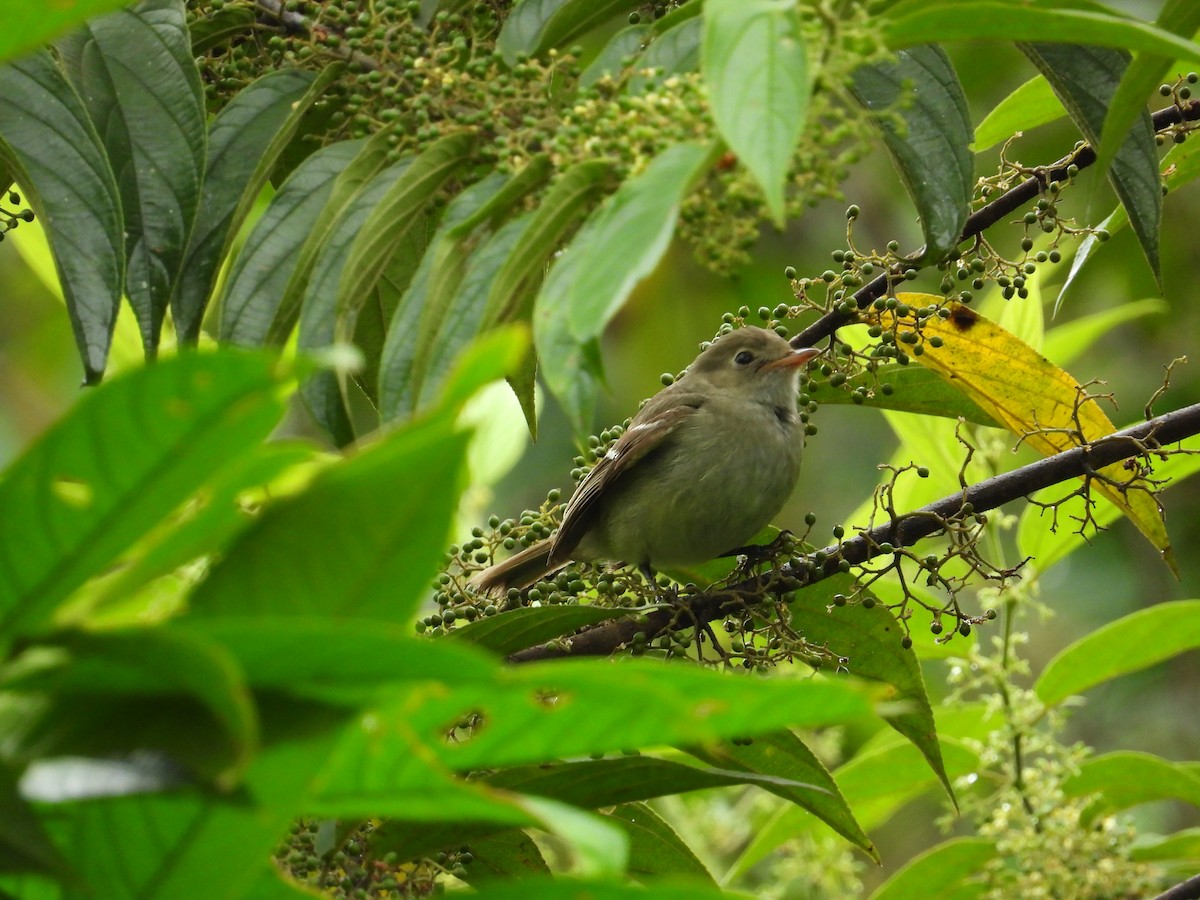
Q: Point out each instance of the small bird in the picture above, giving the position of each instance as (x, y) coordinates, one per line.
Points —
(702, 467)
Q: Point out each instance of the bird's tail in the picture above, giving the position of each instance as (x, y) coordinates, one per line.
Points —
(518, 571)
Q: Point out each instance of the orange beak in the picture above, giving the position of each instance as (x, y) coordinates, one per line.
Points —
(793, 359)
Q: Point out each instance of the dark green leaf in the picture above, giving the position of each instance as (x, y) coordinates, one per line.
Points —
(219, 26)
(623, 45)
(783, 755)
(24, 844)
(1085, 79)
(1125, 778)
(916, 389)
(1126, 645)
(672, 51)
(361, 542)
(48, 143)
(137, 76)
(869, 640)
(940, 872)
(931, 148)
(922, 21)
(505, 854)
(251, 305)
(71, 507)
(517, 629)
(243, 143)
(655, 848)
(575, 889)
(756, 76)
(537, 25)
(617, 247)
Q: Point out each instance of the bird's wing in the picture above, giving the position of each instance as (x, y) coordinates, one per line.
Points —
(656, 421)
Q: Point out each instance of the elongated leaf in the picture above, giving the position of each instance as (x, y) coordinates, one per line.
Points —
(537, 25)
(48, 143)
(1125, 778)
(673, 50)
(318, 313)
(24, 844)
(621, 47)
(574, 889)
(915, 390)
(517, 629)
(783, 755)
(1067, 342)
(1182, 845)
(252, 301)
(912, 22)
(137, 76)
(931, 148)
(587, 286)
(1032, 104)
(655, 848)
(218, 26)
(1085, 79)
(756, 72)
(1033, 398)
(940, 872)
(1128, 102)
(28, 26)
(361, 542)
(506, 854)
(243, 144)
(71, 507)
(1129, 644)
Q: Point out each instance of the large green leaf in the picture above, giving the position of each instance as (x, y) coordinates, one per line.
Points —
(1085, 79)
(24, 844)
(1126, 645)
(71, 505)
(915, 389)
(623, 45)
(1032, 104)
(756, 73)
(243, 143)
(1128, 102)
(361, 542)
(912, 22)
(28, 26)
(536, 25)
(931, 143)
(617, 247)
(1126, 778)
(252, 303)
(655, 848)
(48, 143)
(940, 872)
(529, 626)
(673, 50)
(137, 76)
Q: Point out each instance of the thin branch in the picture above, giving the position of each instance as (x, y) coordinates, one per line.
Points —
(902, 531)
(982, 219)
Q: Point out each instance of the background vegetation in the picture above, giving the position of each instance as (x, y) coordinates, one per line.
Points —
(212, 682)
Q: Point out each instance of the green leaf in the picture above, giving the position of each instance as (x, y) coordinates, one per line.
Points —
(655, 849)
(625, 44)
(429, 326)
(361, 542)
(529, 626)
(783, 755)
(1129, 644)
(940, 872)
(71, 507)
(1128, 102)
(1032, 104)
(252, 303)
(618, 246)
(915, 389)
(48, 143)
(505, 854)
(756, 74)
(1065, 343)
(922, 21)
(137, 76)
(534, 26)
(154, 662)
(869, 641)
(243, 143)
(1085, 79)
(673, 50)
(24, 844)
(1125, 778)
(29, 26)
(931, 144)
(219, 26)
(1182, 845)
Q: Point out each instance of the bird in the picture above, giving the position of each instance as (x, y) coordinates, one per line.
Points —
(703, 467)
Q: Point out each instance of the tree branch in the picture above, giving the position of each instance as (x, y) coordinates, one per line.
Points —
(1185, 890)
(905, 530)
(982, 219)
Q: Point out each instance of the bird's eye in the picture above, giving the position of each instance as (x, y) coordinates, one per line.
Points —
(744, 358)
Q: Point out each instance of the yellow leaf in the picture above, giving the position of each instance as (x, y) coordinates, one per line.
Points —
(1032, 397)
